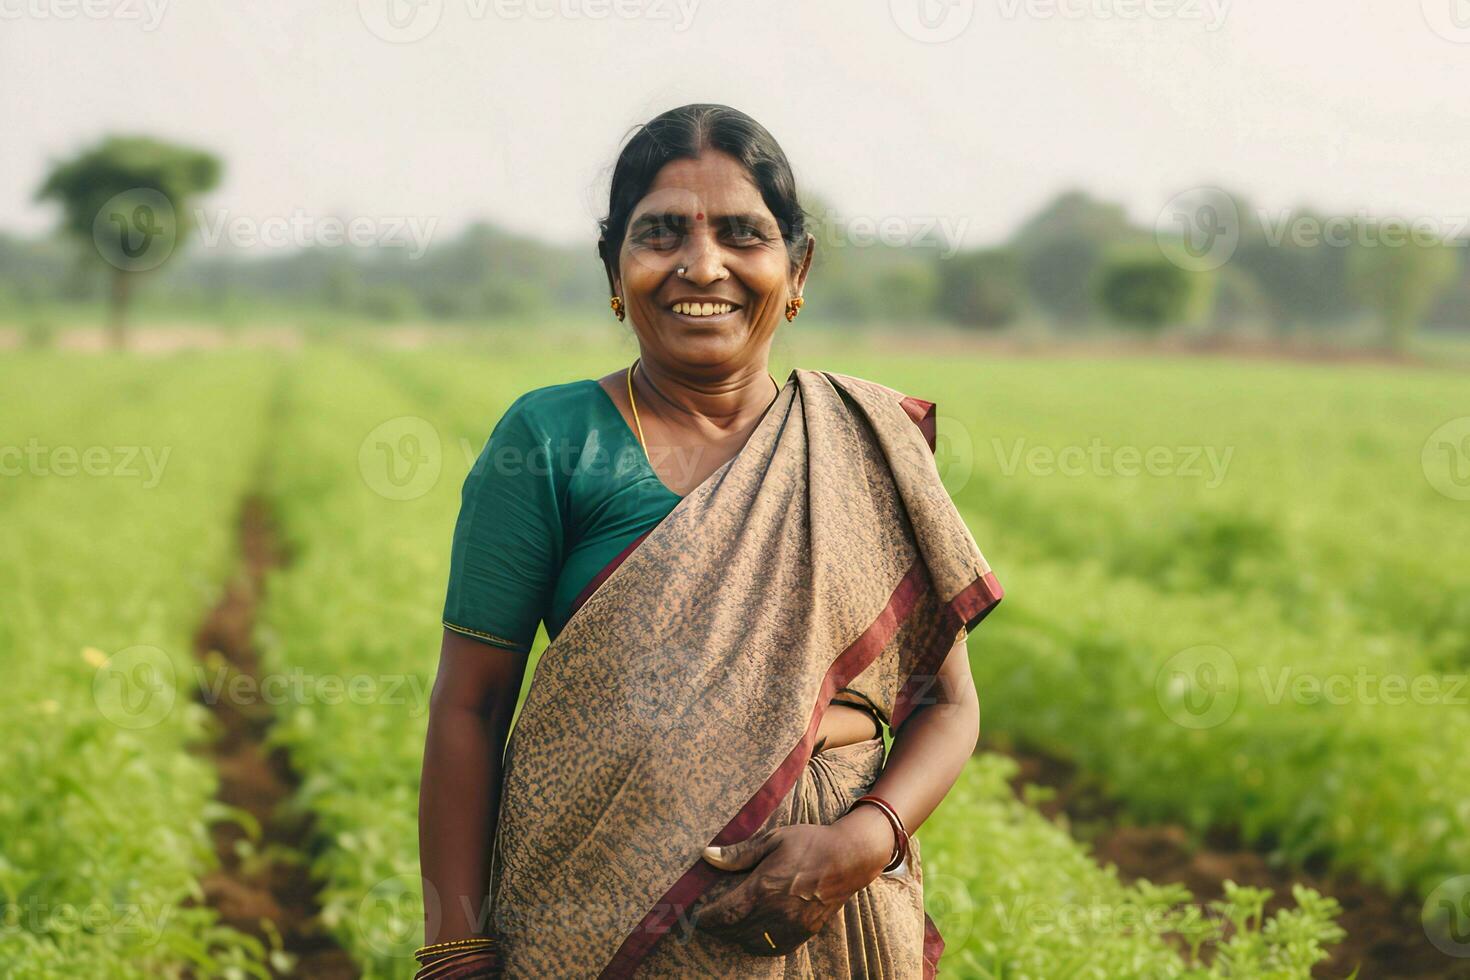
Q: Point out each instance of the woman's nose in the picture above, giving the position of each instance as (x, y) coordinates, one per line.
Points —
(703, 260)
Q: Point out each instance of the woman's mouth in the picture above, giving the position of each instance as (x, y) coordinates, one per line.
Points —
(704, 312)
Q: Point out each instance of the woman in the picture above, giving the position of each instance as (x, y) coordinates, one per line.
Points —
(743, 582)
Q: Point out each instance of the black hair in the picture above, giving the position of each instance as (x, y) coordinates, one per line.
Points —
(682, 134)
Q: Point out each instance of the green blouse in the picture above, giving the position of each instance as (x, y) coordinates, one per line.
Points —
(561, 488)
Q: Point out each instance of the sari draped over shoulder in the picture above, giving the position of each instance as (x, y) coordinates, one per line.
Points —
(679, 705)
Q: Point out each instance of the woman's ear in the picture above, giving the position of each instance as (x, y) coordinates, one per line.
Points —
(609, 263)
(806, 264)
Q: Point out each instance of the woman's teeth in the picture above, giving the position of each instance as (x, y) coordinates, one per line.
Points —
(702, 309)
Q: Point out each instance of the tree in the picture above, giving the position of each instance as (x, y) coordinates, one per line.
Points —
(981, 289)
(1291, 255)
(1400, 281)
(1452, 308)
(127, 197)
(1143, 292)
(1057, 275)
(1073, 214)
(1059, 249)
(1239, 299)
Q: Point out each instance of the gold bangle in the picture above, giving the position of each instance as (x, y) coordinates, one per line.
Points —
(467, 941)
(452, 963)
(446, 955)
(454, 944)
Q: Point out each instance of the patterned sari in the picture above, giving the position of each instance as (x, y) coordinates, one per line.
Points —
(680, 704)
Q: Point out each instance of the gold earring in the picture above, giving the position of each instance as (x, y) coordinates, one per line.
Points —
(793, 307)
(617, 306)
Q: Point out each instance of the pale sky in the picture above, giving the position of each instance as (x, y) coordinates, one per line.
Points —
(513, 110)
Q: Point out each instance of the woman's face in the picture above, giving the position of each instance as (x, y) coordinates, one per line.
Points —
(706, 215)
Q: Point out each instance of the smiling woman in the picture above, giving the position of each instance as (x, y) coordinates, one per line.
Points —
(743, 582)
(712, 248)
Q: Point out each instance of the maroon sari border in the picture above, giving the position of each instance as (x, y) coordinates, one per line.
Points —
(922, 412)
(694, 882)
(970, 605)
(933, 948)
(851, 662)
(977, 599)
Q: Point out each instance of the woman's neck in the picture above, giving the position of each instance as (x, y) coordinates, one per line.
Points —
(727, 403)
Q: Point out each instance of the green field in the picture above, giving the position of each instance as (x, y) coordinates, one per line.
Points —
(1236, 597)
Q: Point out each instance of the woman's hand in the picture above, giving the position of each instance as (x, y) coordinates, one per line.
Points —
(800, 876)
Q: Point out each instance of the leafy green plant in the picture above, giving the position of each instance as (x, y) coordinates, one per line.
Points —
(1016, 897)
(104, 819)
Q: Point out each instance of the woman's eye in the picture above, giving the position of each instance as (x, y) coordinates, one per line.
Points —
(658, 236)
(746, 234)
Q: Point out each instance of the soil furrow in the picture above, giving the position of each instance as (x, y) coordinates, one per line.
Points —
(264, 884)
(1385, 937)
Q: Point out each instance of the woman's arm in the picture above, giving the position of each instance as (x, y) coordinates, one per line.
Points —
(470, 712)
(929, 751)
(804, 873)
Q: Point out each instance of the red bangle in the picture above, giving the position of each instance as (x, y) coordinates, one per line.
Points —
(900, 836)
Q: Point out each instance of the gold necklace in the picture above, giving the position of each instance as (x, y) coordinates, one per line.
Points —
(633, 402)
(634, 405)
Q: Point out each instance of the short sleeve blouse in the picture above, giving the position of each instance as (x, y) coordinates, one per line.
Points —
(560, 489)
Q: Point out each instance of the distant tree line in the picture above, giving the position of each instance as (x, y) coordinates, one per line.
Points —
(1076, 263)
(1079, 261)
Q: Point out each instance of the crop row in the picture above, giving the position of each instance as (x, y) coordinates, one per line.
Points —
(117, 503)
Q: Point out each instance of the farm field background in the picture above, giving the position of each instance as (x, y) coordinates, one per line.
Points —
(1236, 603)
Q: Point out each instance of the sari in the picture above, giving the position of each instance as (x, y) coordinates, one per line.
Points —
(679, 705)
